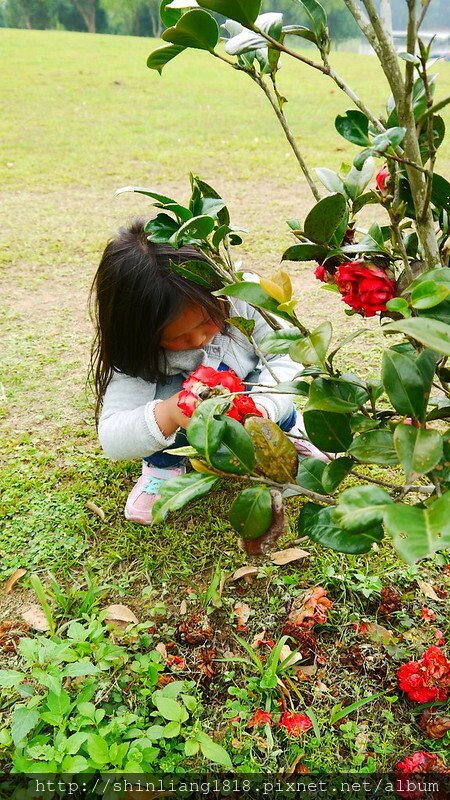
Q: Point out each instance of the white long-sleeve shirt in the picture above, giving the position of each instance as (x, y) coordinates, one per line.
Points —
(127, 427)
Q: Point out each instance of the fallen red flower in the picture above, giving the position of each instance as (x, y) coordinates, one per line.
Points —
(308, 610)
(260, 717)
(411, 767)
(295, 724)
(427, 614)
(427, 679)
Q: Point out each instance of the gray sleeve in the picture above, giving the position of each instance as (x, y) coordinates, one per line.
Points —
(285, 369)
(127, 427)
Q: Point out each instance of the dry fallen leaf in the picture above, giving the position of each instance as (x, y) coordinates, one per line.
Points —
(428, 590)
(307, 671)
(183, 608)
(246, 572)
(377, 633)
(95, 509)
(16, 576)
(285, 652)
(35, 617)
(242, 612)
(120, 615)
(162, 650)
(286, 556)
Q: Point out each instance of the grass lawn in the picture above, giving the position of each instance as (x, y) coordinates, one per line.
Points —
(83, 116)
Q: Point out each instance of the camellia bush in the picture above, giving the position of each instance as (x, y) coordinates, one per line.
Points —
(399, 272)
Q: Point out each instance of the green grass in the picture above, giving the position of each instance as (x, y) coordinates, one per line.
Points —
(82, 117)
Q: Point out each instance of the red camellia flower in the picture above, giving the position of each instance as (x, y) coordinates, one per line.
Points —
(207, 381)
(382, 179)
(364, 287)
(414, 765)
(428, 678)
(295, 724)
(260, 717)
(427, 614)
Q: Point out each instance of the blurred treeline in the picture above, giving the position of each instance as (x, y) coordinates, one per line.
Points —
(141, 17)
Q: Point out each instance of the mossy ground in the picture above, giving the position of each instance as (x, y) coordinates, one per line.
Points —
(82, 117)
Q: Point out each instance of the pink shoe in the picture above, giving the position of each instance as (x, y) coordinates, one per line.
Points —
(144, 493)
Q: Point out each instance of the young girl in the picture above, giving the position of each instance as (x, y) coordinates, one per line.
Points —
(153, 328)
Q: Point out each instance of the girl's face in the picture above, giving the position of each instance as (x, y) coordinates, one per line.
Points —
(192, 329)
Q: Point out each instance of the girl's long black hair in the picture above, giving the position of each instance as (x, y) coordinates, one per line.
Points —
(134, 295)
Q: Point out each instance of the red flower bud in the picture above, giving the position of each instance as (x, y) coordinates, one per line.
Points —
(382, 179)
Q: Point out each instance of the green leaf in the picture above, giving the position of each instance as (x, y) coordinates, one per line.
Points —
(162, 55)
(10, 678)
(193, 230)
(368, 198)
(243, 11)
(98, 749)
(161, 229)
(23, 721)
(170, 709)
(58, 703)
(155, 732)
(172, 729)
(374, 447)
(197, 271)
(316, 522)
(336, 395)
(312, 349)
(432, 333)
(279, 341)
(419, 533)
(330, 180)
(251, 512)
(361, 507)
(316, 14)
(191, 747)
(206, 428)
(245, 326)
(428, 294)
(419, 450)
(213, 752)
(335, 472)
(177, 492)
(403, 384)
(196, 29)
(253, 294)
(399, 305)
(235, 453)
(354, 126)
(169, 16)
(440, 193)
(310, 473)
(72, 765)
(304, 252)
(80, 668)
(74, 742)
(328, 431)
(324, 218)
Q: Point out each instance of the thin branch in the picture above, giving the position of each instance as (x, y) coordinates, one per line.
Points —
(411, 39)
(401, 245)
(284, 124)
(425, 8)
(294, 487)
(407, 162)
(325, 69)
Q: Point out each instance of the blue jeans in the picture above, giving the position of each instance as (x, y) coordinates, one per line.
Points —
(164, 460)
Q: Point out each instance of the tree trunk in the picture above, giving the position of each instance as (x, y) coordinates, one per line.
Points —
(87, 11)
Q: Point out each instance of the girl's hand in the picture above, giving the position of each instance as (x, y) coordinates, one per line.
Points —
(169, 417)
